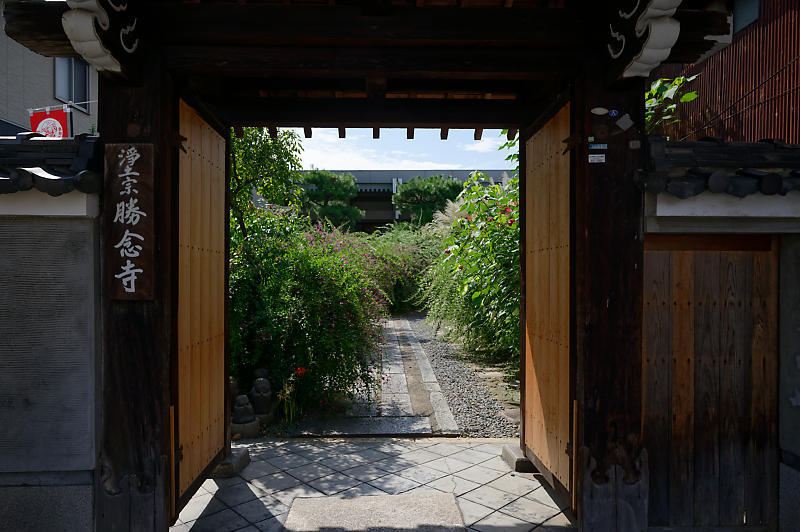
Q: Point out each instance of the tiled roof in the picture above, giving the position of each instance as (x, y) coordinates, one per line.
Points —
(686, 169)
(53, 166)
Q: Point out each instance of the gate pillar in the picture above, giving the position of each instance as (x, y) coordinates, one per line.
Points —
(608, 148)
(133, 486)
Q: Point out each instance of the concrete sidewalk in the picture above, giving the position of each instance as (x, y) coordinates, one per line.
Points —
(490, 496)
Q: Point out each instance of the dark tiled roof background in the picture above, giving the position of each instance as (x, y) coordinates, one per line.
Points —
(686, 169)
(53, 166)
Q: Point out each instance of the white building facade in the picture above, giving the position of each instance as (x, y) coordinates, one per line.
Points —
(29, 80)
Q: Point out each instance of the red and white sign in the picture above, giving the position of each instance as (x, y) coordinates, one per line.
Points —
(53, 123)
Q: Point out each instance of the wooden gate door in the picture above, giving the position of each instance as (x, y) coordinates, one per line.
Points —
(711, 380)
(546, 328)
(200, 408)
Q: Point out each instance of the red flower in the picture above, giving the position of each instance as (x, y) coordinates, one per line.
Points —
(301, 370)
(447, 251)
(511, 221)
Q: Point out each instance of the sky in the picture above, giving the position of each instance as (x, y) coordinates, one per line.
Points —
(393, 151)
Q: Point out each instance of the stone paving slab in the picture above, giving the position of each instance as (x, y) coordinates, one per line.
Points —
(489, 495)
(363, 410)
(396, 404)
(368, 426)
(408, 336)
(444, 417)
(391, 367)
(395, 383)
(424, 512)
(410, 400)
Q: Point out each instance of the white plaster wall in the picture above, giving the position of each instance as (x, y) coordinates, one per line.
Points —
(724, 205)
(35, 203)
(27, 81)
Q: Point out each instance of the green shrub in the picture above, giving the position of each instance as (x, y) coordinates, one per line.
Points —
(473, 285)
(307, 304)
(421, 197)
(412, 250)
(661, 102)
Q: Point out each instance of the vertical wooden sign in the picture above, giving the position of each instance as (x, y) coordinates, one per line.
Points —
(129, 227)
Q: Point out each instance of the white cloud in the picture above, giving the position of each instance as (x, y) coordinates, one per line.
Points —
(349, 157)
(485, 145)
(359, 151)
(327, 151)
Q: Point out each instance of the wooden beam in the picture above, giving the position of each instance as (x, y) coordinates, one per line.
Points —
(217, 23)
(376, 88)
(332, 113)
(342, 132)
(273, 132)
(696, 26)
(37, 26)
(376, 132)
(478, 133)
(443, 135)
(414, 63)
(307, 132)
(410, 133)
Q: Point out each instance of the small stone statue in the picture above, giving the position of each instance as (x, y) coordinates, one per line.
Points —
(261, 396)
(242, 410)
(233, 385)
(260, 373)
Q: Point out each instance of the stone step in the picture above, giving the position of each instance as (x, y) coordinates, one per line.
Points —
(367, 426)
(424, 512)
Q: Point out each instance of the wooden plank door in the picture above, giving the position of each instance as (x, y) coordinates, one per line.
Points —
(547, 430)
(710, 374)
(200, 408)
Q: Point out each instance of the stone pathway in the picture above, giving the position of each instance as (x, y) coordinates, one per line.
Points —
(410, 402)
(490, 496)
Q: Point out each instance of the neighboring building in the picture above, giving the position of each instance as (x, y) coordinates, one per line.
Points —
(50, 383)
(375, 189)
(751, 89)
(29, 80)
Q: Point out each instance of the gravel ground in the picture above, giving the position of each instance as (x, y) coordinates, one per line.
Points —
(471, 402)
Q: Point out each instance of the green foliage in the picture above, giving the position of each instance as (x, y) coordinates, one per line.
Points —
(270, 167)
(412, 251)
(473, 285)
(328, 197)
(512, 147)
(662, 99)
(307, 304)
(421, 197)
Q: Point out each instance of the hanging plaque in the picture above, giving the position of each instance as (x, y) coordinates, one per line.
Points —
(128, 220)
